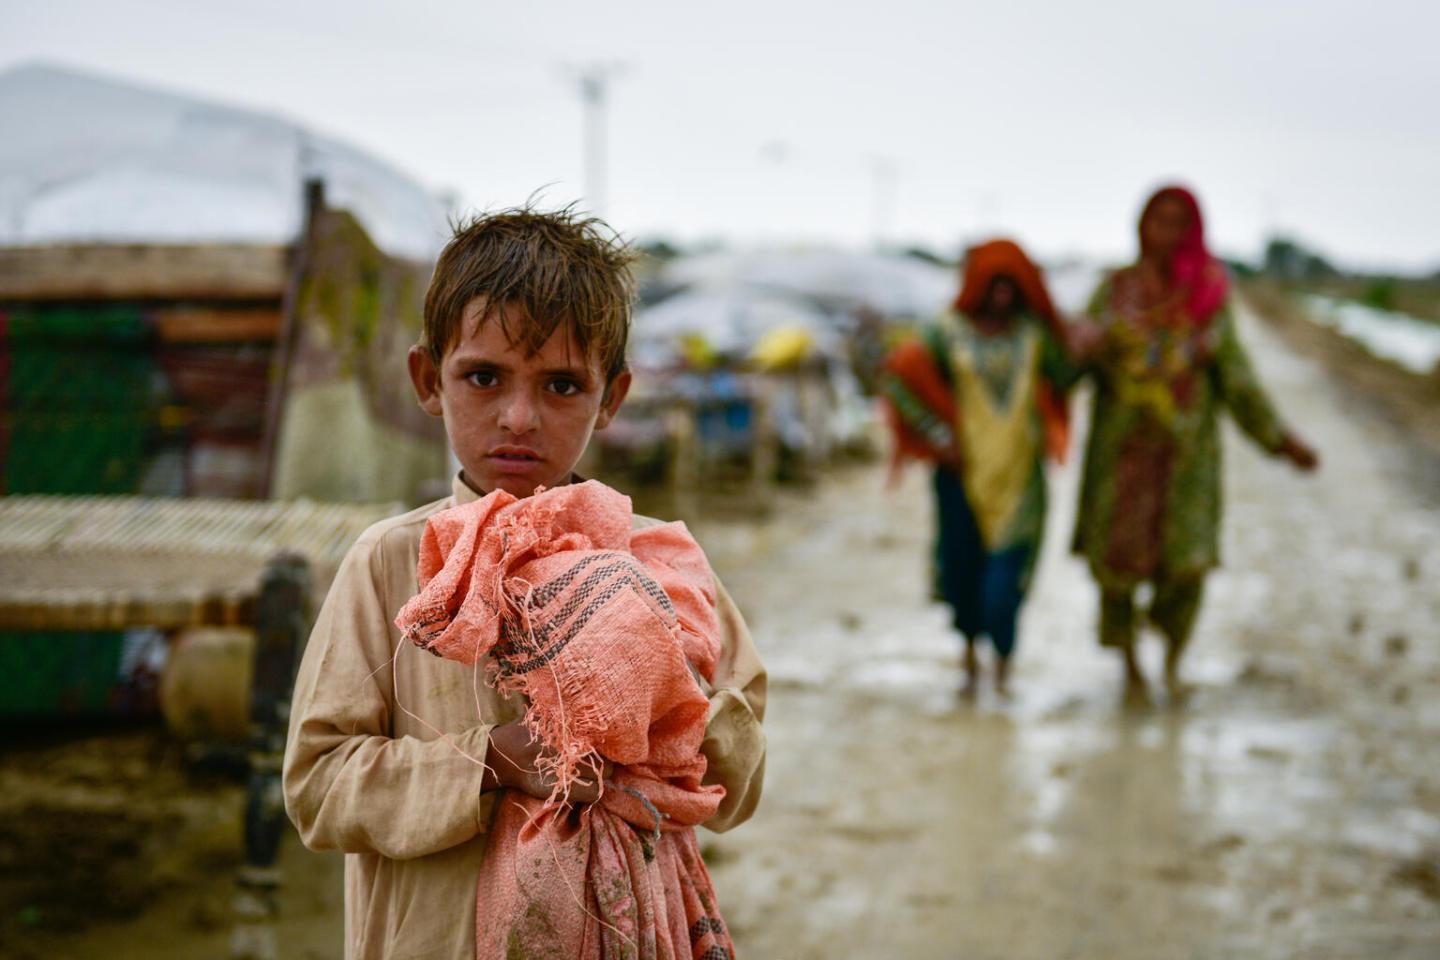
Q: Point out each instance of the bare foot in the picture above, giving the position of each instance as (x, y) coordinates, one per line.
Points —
(1137, 691)
(1002, 677)
(1178, 690)
(971, 685)
(1137, 694)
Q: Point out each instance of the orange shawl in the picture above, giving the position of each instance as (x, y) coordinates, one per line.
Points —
(912, 363)
(598, 626)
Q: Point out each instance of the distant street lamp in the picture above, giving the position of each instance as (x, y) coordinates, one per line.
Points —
(594, 81)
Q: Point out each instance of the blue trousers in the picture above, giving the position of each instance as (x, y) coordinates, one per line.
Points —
(984, 589)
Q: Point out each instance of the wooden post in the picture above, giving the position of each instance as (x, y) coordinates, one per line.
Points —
(764, 453)
(682, 473)
(289, 333)
(815, 414)
(282, 620)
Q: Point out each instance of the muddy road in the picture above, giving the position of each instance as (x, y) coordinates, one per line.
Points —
(1290, 809)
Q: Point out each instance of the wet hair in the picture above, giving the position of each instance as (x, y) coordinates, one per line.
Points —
(538, 271)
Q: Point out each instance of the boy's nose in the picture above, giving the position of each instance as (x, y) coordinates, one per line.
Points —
(519, 414)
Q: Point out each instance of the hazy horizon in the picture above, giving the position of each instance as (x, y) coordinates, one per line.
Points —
(767, 125)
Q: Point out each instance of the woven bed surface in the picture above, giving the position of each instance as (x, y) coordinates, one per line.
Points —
(87, 563)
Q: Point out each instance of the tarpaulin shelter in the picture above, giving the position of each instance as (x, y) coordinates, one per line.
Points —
(202, 300)
(895, 285)
(196, 300)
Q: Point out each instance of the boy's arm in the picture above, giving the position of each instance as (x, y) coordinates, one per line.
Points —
(349, 785)
(734, 743)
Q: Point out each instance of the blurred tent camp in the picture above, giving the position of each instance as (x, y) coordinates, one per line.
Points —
(251, 329)
(196, 302)
(767, 351)
(201, 301)
(201, 308)
(92, 160)
(896, 285)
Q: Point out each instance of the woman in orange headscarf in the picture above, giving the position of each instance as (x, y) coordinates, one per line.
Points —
(1167, 361)
(981, 396)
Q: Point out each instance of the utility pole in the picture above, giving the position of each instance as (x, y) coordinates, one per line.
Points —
(594, 80)
(1269, 220)
(884, 184)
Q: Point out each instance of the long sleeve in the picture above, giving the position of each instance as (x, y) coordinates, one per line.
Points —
(734, 742)
(1240, 391)
(1099, 301)
(1064, 370)
(915, 385)
(1056, 364)
(915, 414)
(349, 784)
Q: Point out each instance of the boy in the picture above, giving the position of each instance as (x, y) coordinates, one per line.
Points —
(395, 756)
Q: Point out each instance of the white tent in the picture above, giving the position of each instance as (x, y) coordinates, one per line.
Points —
(86, 159)
(730, 319)
(896, 285)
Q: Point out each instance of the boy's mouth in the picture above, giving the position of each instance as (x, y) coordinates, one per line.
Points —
(509, 458)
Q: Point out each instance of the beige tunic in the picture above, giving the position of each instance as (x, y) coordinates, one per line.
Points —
(383, 759)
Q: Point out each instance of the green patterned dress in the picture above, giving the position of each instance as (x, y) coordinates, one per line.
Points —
(1150, 501)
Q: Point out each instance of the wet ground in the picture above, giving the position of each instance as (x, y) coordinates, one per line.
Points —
(1290, 809)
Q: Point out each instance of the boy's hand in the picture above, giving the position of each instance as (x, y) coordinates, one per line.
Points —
(512, 759)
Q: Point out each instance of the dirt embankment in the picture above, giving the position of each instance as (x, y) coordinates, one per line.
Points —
(115, 846)
(96, 829)
(1409, 400)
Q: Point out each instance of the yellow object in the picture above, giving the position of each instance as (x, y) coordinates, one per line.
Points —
(998, 443)
(698, 353)
(782, 347)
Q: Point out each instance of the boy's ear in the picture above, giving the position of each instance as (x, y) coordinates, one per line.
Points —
(614, 396)
(426, 380)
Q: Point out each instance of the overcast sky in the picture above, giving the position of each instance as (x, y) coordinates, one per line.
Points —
(750, 121)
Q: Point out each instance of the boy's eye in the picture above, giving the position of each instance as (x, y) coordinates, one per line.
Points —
(482, 378)
(565, 387)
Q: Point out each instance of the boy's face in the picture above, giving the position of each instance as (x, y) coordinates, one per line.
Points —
(515, 422)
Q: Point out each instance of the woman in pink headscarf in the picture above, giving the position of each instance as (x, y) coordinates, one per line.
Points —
(1166, 361)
